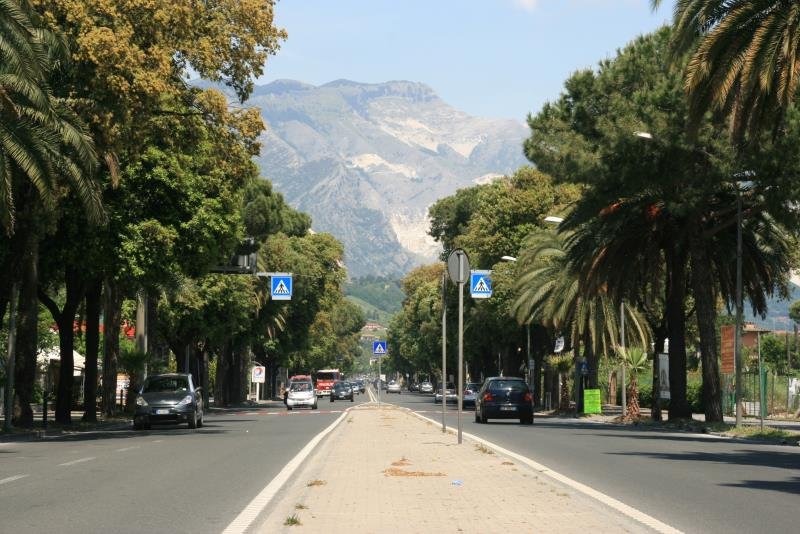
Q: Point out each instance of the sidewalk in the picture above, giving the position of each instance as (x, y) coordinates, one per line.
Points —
(385, 470)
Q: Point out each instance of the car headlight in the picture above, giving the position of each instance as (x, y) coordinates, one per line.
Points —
(184, 401)
(140, 401)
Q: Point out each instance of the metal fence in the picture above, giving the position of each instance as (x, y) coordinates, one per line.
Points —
(773, 395)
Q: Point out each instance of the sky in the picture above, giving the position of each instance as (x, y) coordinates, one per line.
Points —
(489, 58)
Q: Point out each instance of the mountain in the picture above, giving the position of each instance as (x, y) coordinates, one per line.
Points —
(367, 160)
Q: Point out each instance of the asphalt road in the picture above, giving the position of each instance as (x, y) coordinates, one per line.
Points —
(695, 483)
(169, 479)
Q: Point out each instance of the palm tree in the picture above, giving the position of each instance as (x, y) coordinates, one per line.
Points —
(745, 63)
(43, 145)
(551, 292)
(635, 361)
(562, 364)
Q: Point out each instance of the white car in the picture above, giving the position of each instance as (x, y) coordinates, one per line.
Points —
(426, 387)
(301, 394)
(394, 387)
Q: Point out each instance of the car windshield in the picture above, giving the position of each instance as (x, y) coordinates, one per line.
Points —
(511, 385)
(339, 385)
(162, 384)
(327, 376)
(301, 386)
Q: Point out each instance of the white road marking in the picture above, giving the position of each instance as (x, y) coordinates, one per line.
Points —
(127, 448)
(157, 440)
(78, 461)
(619, 506)
(257, 505)
(12, 479)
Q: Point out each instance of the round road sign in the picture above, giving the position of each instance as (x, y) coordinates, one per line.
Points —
(458, 266)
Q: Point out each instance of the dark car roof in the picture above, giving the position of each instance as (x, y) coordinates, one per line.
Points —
(504, 378)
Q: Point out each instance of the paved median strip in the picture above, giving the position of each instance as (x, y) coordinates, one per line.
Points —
(609, 501)
(243, 521)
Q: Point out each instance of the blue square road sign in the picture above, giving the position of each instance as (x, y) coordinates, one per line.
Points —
(281, 286)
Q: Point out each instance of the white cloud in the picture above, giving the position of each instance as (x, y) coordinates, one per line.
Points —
(527, 5)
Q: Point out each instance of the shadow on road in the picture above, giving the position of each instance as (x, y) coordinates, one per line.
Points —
(757, 458)
(784, 486)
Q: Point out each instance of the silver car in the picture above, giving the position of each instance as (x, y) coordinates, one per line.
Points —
(426, 387)
(394, 387)
(169, 398)
(301, 394)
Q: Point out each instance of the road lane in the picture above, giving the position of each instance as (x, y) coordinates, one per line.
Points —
(694, 482)
(169, 478)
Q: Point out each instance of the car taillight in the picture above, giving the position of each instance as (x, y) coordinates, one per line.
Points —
(487, 396)
(528, 397)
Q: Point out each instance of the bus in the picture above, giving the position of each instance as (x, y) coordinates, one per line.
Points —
(325, 380)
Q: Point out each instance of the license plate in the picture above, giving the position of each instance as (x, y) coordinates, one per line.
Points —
(162, 412)
(507, 408)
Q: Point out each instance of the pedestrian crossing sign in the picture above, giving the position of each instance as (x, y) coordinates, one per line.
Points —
(379, 347)
(281, 286)
(480, 284)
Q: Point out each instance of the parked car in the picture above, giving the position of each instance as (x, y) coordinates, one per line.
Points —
(470, 393)
(504, 398)
(393, 387)
(450, 393)
(354, 387)
(301, 393)
(341, 391)
(413, 386)
(168, 398)
(426, 387)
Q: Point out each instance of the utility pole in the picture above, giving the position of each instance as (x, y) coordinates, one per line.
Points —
(12, 338)
(461, 269)
(738, 340)
(622, 337)
(444, 350)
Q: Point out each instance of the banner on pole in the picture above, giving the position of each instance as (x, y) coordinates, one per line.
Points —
(663, 376)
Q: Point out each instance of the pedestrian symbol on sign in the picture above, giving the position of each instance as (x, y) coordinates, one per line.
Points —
(281, 286)
(480, 284)
(378, 347)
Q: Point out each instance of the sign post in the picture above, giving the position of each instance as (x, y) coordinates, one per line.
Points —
(458, 268)
(444, 348)
(257, 376)
(379, 350)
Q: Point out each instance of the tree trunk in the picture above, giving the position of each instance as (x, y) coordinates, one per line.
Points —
(676, 325)
(65, 319)
(93, 295)
(111, 324)
(660, 335)
(27, 328)
(633, 398)
(706, 313)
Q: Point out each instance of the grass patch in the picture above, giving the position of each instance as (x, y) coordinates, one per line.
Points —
(300, 506)
(292, 521)
(316, 482)
(772, 434)
(483, 448)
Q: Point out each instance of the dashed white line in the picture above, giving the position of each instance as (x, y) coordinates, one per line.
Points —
(127, 448)
(78, 461)
(157, 440)
(12, 479)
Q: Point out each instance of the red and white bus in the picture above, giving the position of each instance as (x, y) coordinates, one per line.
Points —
(325, 380)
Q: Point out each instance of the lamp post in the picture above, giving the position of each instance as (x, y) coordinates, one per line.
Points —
(737, 358)
(444, 350)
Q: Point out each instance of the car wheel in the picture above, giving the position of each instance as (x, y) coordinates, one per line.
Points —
(351, 399)
(477, 420)
(137, 424)
(314, 406)
(200, 421)
(193, 420)
(484, 419)
(526, 421)
(331, 398)
(288, 408)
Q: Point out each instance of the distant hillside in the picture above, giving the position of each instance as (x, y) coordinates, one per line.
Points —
(371, 313)
(367, 160)
(379, 297)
